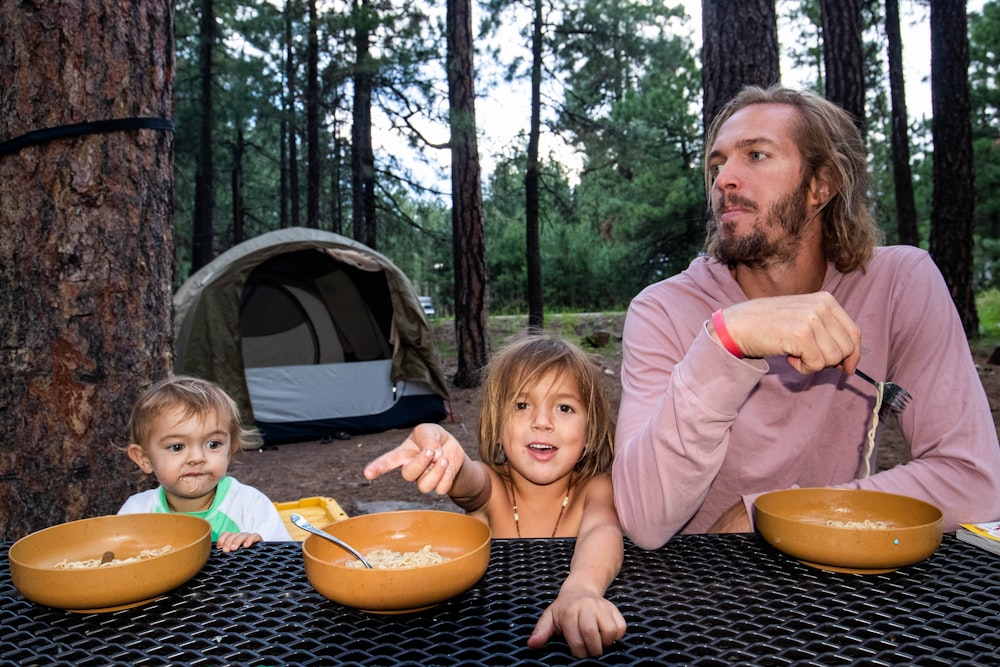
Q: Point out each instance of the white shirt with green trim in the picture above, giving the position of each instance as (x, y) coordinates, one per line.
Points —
(236, 508)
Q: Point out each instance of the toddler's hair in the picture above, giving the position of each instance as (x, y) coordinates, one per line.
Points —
(196, 397)
(525, 362)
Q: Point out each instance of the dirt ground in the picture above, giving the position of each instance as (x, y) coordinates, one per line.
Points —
(301, 470)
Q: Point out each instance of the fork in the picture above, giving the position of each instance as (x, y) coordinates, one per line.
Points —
(892, 394)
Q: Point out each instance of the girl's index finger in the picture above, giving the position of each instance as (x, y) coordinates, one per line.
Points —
(392, 459)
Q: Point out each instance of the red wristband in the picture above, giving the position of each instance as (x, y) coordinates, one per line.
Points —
(719, 323)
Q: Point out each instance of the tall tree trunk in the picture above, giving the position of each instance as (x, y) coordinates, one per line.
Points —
(906, 209)
(739, 48)
(236, 186)
(336, 196)
(536, 315)
(283, 142)
(204, 195)
(844, 57)
(291, 12)
(468, 237)
(283, 184)
(85, 250)
(312, 120)
(362, 153)
(954, 194)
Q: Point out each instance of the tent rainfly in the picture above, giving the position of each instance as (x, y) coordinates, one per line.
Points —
(313, 334)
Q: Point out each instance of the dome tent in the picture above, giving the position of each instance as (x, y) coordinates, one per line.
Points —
(312, 334)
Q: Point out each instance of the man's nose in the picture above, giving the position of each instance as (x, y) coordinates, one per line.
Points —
(726, 177)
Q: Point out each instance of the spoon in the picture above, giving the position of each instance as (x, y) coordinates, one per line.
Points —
(299, 521)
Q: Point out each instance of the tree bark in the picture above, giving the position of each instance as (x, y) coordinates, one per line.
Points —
(739, 48)
(362, 152)
(312, 120)
(468, 236)
(202, 250)
(292, 132)
(85, 251)
(843, 56)
(902, 175)
(533, 253)
(952, 203)
(236, 187)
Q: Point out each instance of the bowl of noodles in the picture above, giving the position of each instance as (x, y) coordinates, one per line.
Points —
(849, 530)
(109, 563)
(420, 558)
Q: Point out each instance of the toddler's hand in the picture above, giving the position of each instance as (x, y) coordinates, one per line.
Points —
(429, 456)
(589, 623)
(233, 541)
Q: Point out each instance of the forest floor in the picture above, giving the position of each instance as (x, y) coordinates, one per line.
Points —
(301, 470)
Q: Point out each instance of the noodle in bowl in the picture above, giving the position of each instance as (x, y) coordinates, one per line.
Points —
(460, 544)
(387, 559)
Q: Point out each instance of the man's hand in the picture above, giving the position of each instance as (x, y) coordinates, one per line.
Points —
(811, 330)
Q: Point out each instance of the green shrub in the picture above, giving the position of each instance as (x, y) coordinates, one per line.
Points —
(988, 307)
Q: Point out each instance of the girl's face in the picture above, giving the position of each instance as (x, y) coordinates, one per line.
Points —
(189, 455)
(545, 432)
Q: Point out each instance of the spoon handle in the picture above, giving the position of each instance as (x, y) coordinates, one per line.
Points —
(301, 522)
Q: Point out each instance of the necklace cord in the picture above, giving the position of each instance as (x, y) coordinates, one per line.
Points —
(562, 509)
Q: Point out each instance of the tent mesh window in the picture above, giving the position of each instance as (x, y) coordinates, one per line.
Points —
(304, 307)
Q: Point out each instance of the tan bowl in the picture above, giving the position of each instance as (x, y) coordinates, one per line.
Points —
(463, 539)
(33, 559)
(801, 523)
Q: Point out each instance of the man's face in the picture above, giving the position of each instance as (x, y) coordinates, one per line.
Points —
(761, 201)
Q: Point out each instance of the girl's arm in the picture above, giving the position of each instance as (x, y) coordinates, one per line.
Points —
(580, 613)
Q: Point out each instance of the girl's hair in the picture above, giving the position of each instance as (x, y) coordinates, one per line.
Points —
(833, 149)
(523, 364)
(196, 397)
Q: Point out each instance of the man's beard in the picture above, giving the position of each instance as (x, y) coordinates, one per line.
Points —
(755, 249)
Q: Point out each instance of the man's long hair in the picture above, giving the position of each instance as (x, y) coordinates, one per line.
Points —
(832, 149)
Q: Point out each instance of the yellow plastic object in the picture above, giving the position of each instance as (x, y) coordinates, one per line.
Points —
(320, 511)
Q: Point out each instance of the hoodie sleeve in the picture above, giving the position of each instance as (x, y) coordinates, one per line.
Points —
(673, 430)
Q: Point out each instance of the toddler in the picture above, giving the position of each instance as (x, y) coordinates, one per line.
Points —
(185, 431)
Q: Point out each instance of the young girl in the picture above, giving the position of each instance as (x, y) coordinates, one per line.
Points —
(545, 440)
(185, 431)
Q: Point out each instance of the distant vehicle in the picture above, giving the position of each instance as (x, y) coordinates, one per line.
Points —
(428, 306)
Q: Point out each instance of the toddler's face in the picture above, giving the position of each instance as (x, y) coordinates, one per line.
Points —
(546, 431)
(188, 455)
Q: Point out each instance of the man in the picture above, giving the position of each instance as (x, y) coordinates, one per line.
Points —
(737, 374)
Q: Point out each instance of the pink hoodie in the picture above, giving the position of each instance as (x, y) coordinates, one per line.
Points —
(699, 429)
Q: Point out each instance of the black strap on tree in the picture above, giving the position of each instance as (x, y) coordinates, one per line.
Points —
(82, 129)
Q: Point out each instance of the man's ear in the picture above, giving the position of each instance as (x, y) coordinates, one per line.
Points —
(138, 454)
(820, 188)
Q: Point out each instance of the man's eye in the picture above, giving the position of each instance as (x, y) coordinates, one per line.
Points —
(757, 155)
